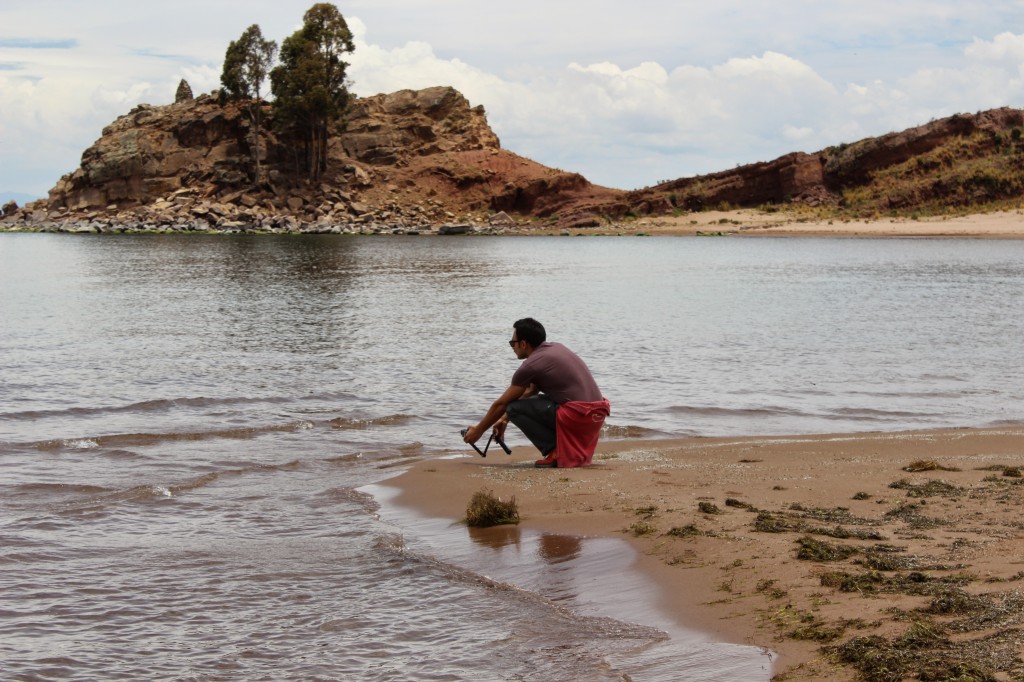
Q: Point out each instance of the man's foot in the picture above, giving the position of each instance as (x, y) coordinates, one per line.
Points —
(551, 461)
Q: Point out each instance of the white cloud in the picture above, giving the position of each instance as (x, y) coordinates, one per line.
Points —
(1006, 49)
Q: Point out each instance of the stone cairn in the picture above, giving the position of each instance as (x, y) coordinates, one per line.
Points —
(184, 93)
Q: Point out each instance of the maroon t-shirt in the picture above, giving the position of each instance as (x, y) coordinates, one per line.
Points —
(558, 373)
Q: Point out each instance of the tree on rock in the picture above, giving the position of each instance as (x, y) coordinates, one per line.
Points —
(309, 86)
(247, 64)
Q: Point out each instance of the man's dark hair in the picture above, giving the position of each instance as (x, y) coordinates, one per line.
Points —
(530, 330)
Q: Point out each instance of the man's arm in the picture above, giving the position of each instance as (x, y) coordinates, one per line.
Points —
(497, 411)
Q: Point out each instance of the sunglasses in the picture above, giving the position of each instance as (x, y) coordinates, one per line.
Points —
(513, 342)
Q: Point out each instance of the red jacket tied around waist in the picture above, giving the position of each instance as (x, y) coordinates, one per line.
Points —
(577, 427)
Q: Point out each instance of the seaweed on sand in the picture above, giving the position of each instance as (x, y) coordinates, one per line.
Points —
(485, 509)
(708, 508)
(927, 489)
(927, 465)
(817, 550)
(923, 652)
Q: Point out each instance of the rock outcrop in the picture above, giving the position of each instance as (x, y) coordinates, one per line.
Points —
(409, 159)
(959, 161)
(790, 176)
(184, 92)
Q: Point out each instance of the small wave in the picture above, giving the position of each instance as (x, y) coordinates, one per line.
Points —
(870, 414)
(101, 498)
(344, 459)
(195, 484)
(139, 493)
(629, 431)
(391, 543)
(158, 405)
(390, 420)
(127, 440)
(161, 405)
(735, 412)
(927, 394)
(58, 488)
(123, 454)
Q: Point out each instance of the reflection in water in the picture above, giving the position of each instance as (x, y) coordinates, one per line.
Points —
(555, 549)
(497, 537)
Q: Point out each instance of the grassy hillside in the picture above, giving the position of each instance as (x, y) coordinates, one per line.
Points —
(977, 172)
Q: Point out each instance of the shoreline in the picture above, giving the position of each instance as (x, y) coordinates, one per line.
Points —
(718, 524)
(1007, 224)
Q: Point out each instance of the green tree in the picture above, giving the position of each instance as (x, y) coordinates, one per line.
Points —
(247, 64)
(309, 86)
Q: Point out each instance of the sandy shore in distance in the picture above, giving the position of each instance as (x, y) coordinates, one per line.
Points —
(721, 524)
(752, 222)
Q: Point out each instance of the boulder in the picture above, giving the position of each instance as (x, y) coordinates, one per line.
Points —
(449, 229)
(184, 92)
(501, 219)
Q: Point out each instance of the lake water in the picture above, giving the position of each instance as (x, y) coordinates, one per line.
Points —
(194, 431)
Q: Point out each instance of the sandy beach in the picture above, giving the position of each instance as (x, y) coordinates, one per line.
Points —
(1007, 224)
(847, 555)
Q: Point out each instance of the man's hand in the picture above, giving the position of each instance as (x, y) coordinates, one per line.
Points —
(473, 434)
(495, 414)
(499, 428)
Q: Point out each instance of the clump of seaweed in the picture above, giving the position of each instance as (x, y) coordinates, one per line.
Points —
(888, 562)
(646, 512)
(861, 496)
(930, 488)
(641, 528)
(689, 531)
(991, 611)
(767, 587)
(913, 582)
(994, 467)
(733, 502)
(818, 550)
(818, 631)
(911, 515)
(767, 522)
(848, 582)
(922, 634)
(842, 533)
(927, 465)
(954, 600)
(708, 508)
(830, 514)
(923, 652)
(485, 510)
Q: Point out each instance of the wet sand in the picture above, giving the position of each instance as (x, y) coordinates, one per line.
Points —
(798, 544)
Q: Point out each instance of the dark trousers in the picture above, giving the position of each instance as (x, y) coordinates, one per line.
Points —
(535, 417)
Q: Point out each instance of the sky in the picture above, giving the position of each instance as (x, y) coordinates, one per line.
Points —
(628, 94)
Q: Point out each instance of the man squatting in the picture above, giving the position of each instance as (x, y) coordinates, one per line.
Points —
(552, 398)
